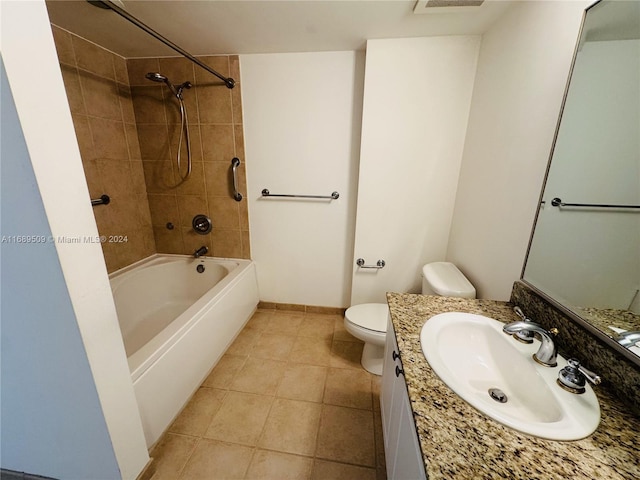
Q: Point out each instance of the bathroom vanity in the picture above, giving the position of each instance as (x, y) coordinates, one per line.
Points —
(430, 432)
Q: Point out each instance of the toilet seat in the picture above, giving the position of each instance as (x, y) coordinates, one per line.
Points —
(370, 316)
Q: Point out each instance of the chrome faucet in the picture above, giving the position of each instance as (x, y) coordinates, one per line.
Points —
(200, 252)
(628, 339)
(524, 336)
(547, 353)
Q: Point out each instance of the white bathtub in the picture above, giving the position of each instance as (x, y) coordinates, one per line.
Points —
(176, 323)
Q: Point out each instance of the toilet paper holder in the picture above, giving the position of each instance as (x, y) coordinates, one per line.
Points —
(379, 264)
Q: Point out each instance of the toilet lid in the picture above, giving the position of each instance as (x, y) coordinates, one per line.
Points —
(372, 316)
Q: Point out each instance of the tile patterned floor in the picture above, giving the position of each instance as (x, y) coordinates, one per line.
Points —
(288, 400)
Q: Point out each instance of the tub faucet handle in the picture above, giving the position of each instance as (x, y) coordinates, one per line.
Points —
(200, 252)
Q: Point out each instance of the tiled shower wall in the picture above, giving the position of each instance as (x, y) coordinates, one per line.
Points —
(128, 130)
(215, 127)
(99, 97)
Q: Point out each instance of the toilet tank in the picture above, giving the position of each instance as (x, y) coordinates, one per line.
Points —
(444, 279)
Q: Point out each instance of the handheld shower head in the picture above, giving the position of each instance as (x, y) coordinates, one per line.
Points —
(156, 77)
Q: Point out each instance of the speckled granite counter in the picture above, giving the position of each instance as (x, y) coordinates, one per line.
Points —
(458, 442)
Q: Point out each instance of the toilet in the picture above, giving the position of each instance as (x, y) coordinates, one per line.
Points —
(368, 321)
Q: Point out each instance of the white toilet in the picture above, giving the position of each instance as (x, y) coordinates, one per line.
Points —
(368, 321)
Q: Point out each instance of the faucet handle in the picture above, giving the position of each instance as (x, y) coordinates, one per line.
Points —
(573, 377)
(523, 336)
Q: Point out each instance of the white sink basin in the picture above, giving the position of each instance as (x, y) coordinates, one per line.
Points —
(472, 355)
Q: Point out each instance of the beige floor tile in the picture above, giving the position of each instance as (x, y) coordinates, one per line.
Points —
(312, 351)
(346, 435)
(340, 333)
(224, 372)
(285, 323)
(346, 354)
(171, 455)
(315, 325)
(273, 346)
(217, 460)
(267, 465)
(303, 382)
(348, 387)
(323, 470)
(259, 375)
(198, 413)
(259, 321)
(244, 342)
(240, 419)
(291, 427)
(376, 384)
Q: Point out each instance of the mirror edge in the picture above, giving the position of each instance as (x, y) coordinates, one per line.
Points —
(562, 308)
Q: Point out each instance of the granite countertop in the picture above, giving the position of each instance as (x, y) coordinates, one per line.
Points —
(458, 442)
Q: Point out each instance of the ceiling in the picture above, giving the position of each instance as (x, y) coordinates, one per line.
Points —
(209, 27)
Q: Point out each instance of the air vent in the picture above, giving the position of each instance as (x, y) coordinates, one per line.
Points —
(446, 6)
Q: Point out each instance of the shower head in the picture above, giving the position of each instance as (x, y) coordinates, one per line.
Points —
(156, 77)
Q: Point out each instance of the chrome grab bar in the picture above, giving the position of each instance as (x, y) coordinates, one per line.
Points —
(557, 202)
(103, 200)
(267, 193)
(235, 163)
(379, 264)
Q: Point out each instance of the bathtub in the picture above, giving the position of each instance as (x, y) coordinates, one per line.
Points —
(176, 323)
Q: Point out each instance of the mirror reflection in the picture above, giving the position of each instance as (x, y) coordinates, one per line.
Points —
(585, 249)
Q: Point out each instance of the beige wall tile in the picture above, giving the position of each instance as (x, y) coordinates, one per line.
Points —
(72, 87)
(120, 68)
(126, 104)
(137, 179)
(159, 177)
(194, 184)
(225, 212)
(168, 241)
(101, 96)
(214, 104)
(64, 46)
(236, 104)
(217, 143)
(84, 137)
(234, 68)
(148, 104)
(218, 177)
(163, 209)
(246, 244)
(109, 139)
(226, 243)
(154, 142)
(292, 427)
(220, 63)
(194, 140)
(132, 140)
(93, 58)
(139, 67)
(116, 177)
(189, 206)
(178, 69)
(238, 132)
(193, 241)
(172, 106)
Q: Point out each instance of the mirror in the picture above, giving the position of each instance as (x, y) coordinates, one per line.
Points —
(584, 253)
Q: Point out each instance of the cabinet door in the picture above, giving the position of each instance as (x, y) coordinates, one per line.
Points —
(388, 379)
(408, 464)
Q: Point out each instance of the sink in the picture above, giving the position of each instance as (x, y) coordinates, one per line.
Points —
(497, 375)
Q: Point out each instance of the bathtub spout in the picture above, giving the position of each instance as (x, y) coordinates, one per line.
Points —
(200, 252)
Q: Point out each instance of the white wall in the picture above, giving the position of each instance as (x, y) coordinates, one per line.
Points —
(417, 95)
(302, 129)
(54, 340)
(522, 72)
(595, 160)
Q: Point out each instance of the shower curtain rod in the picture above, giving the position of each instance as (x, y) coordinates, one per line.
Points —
(228, 81)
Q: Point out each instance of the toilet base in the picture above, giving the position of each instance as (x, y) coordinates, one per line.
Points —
(372, 358)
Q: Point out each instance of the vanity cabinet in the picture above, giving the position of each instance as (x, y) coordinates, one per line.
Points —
(401, 447)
